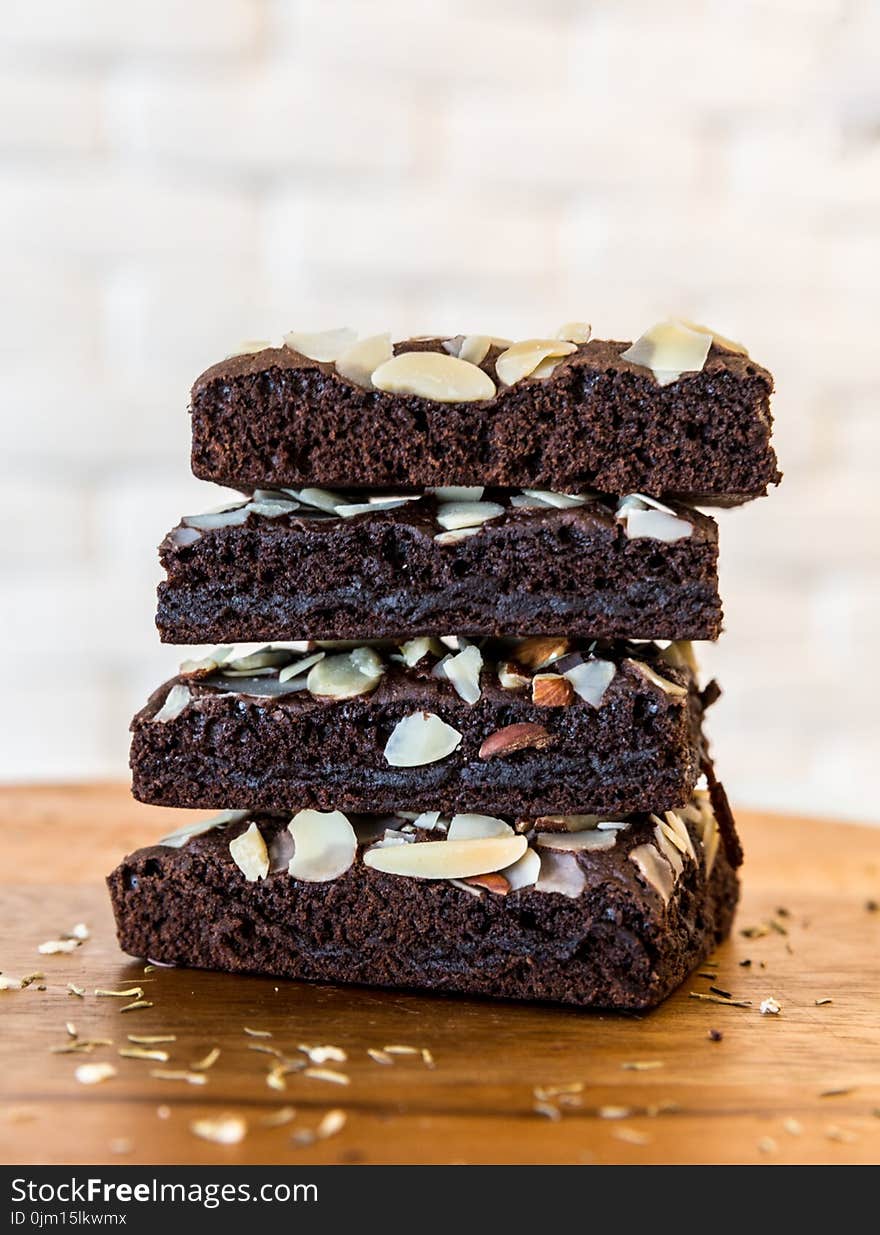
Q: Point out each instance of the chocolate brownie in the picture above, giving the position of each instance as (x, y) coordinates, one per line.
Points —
(611, 916)
(277, 567)
(598, 421)
(524, 727)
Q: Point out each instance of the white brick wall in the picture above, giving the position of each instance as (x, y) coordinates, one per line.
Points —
(174, 177)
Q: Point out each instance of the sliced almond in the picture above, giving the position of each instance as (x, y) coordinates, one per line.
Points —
(177, 700)
(180, 836)
(670, 349)
(511, 677)
(524, 871)
(323, 345)
(457, 493)
(415, 650)
(454, 516)
(561, 501)
(653, 868)
(463, 671)
(667, 848)
(592, 679)
(472, 347)
(320, 499)
(263, 658)
(675, 828)
(681, 655)
(560, 872)
(512, 738)
(575, 332)
(420, 738)
(324, 845)
(207, 664)
(429, 821)
(346, 675)
(727, 345)
(668, 688)
(222, 1130)
(539, 651)
(590, 838)
(521, 359)
(434, 375)
(230, 515)
(551, 690)
(565, 823)
(495, 883)
(360, 361)
(655, 525)
(454, 538)
(250, 855)
(475, 827)
(447, 859)
(299, 666)
(94, 1073)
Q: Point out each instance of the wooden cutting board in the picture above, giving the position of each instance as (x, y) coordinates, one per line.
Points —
(508, 1083)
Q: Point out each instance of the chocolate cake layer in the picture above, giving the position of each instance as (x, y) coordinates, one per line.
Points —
(520, 727)
(618, 922)
(279, 568)
(598, 421)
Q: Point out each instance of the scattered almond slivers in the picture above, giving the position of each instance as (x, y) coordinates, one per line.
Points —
(522, 359)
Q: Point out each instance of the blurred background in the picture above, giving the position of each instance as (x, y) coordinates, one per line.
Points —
(177, 177)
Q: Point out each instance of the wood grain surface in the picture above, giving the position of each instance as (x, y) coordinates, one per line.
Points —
(509, 1083)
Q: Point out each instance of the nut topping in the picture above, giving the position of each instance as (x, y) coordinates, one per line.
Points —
(551, 690)
(510, 677)
(575, 332)
(250, 855)
(592, 679)
(539, 651)
(512, 738)
(181, 836)
(524, 871)
(474, 827)
(522, 359)
(324, 845)
(463, 671)
(359, 362)
(668, 688)
(419, 739)
(654, 869)
(177, 699)
(473, 347)
(323, 345)
(588, 838)
(457, 515)
(448, 859)
(560, 872)
(643, 518)
(434, 375)
(417, 649)
(346, 675)
(670, 349)
(492, 883)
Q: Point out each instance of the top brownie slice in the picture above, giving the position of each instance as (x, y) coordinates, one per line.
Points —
(591, 418)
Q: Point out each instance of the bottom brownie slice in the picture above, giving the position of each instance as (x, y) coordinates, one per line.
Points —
(610, 913)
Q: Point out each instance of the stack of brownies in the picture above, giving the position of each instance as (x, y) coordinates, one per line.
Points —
(471, 759)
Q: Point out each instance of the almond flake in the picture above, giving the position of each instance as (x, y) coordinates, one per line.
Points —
(171, 1074)
(94, 1073)
(330, 1124)
(524, 872)
(323, 345)
(434, 375)
(325, 845)
(591, 679)
(562, 873)
(654, 869)
(346, 675)
(250, 855)
(521, 359)
(181, 836)
(473, 348)
(574, 332)
(463, 671)
(53, 946)
(176, 701)
(651, 675)
(670, 349)
(448, 859)
(475, 827)
(327, 1074)
(459, 516)
(360, 361)
(222, 1130)
(420, 738)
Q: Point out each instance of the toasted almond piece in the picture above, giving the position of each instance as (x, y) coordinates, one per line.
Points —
(561, 501)
(670, 349)
(445, 859)
(592, 679)
(454, 538)
(565, 823)
(434, 375)
(560, 872)
(463, 671)
(420, 738)
(472, 347)
(207, 664)
(521, 359)
(551, 690)
(654, 869)
(655, 525)
(590, 838)
(360, 361)
(250, 855)
(455, 516)
(178, 698)
(456, 493)
(221, 1130)
(575, 332)
(727, 345)
(53, 947)
(524, 871)
(297, 667)
(668, 688)
(512, 738)
(319, 499)
(331, 1123)
(495, 883)
(511, 677)
(416, 649)
(322, 345)
(539, 651)
(325, 845)
(346, 675)
(474, 827)
(228, 515)
(667, 848)
(180, 836)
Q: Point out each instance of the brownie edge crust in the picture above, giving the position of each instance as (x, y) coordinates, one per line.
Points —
(618, 944)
